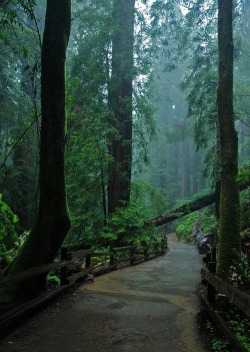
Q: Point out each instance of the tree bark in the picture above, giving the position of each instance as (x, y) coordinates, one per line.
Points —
(229, 239)
(188, 208)
(52, 222)
(120, 103)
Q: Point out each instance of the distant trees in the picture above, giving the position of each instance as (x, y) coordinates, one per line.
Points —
(106, 101)
(52, 222)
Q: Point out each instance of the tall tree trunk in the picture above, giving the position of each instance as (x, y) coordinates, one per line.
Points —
(52, 222)
(184, 170)
(217, 170)
(195, 173)
(187, 171)
(120, 103)
(176, 170)
(229, 241)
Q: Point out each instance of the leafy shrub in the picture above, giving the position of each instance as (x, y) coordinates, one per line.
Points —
(54, 279)
(127, 224)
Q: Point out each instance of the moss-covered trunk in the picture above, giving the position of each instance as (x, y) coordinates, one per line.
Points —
(229, 240)
(52, 223)
(120, 103)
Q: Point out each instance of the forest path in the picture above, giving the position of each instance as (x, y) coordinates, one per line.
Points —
(148, 307)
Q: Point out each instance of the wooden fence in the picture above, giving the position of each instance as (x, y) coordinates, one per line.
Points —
(129, 255)
(217, 288)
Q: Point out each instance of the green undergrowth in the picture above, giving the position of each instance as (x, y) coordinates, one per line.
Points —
(215, 341)
(10, 242)
(185, 226)
(239, 325)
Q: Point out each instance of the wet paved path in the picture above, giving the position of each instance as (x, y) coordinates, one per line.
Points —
(150, 307)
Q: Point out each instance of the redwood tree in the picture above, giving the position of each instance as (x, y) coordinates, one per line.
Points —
(52, 222)
(120, 103)
(229, 239)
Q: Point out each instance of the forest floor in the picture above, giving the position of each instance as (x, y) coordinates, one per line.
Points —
(149, 307)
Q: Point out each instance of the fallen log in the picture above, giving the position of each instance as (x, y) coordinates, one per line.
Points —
(188, 208)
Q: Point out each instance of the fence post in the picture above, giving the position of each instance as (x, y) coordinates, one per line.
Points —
(63, 271)
(211, 291)
(132, 255)
(112, 254)
(163, 243)
(145, 252)
(213, 254)
(87, 257)
(156, 250)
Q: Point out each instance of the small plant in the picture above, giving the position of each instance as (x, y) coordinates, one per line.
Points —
(53, 279)
(240, 327)
(217, 343)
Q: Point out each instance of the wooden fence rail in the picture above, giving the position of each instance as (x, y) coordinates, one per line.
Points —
(27, 274)
(240, 299)
(215, 287)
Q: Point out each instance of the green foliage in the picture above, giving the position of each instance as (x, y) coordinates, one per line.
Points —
(240, 328)
(54, 279)
(218, 344)
(245, 208)
(8, 236)
(19, 108)
(243, 174)
(90, 122)
(184, 229)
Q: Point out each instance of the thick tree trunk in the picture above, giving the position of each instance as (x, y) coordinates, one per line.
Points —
(229, 239)
(217, 171)
(120, 103)
(52, 223)
(188, 208)
(177, 213)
